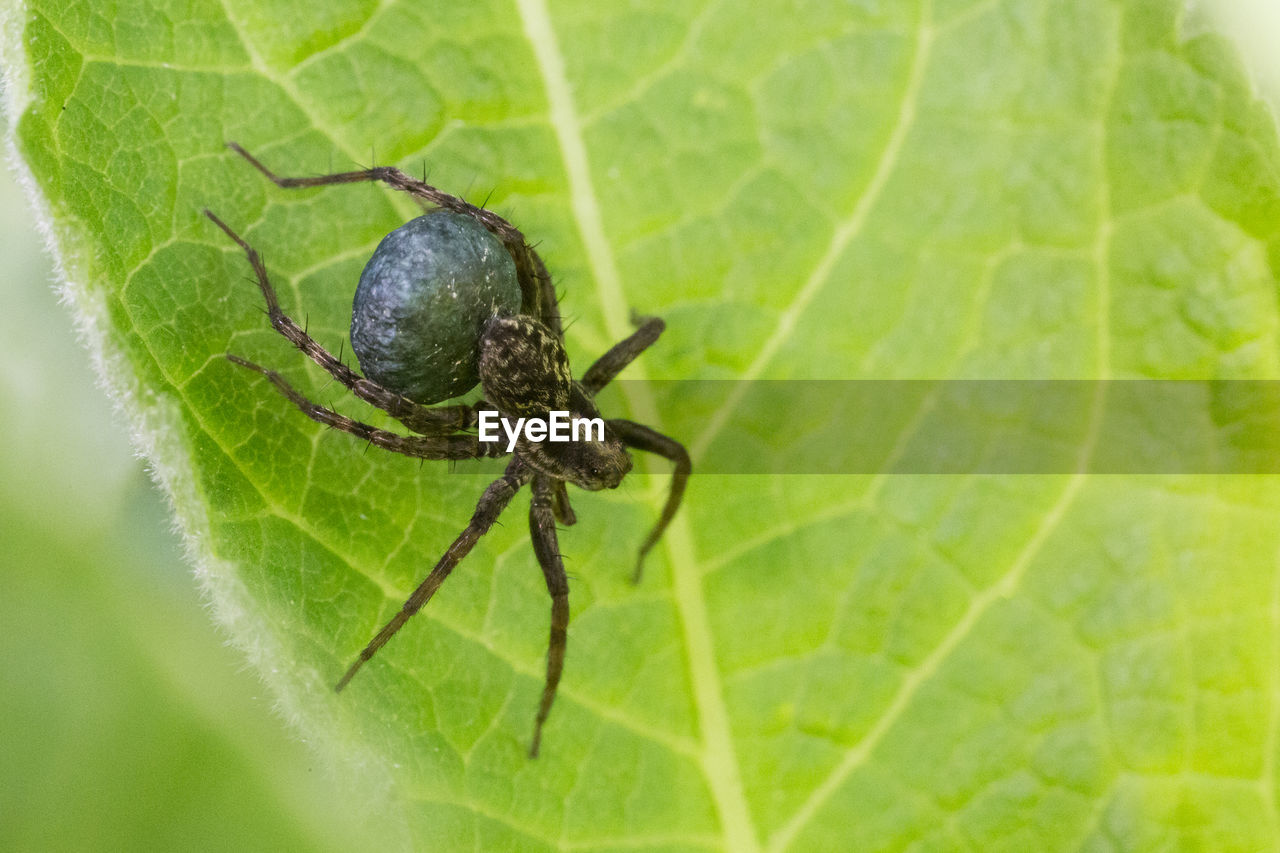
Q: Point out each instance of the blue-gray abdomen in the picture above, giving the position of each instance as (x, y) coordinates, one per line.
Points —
(423, 300)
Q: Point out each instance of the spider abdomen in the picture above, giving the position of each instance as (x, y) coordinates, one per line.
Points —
(423, 300)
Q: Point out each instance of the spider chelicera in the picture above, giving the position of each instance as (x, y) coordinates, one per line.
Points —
(524, 372)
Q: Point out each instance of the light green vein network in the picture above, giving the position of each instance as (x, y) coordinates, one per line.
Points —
(944, 189)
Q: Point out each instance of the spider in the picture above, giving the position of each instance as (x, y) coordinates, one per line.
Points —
(523, 371)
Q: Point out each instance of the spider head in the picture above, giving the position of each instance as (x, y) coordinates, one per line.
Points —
(590, 465)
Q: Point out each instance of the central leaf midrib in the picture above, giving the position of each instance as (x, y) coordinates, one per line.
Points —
(719, 762)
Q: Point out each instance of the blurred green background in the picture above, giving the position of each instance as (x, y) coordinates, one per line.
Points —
(127, 722)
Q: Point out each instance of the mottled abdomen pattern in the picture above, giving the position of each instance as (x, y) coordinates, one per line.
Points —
(423, 300)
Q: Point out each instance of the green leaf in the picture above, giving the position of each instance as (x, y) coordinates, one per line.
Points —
(128, 723)
(941, 189)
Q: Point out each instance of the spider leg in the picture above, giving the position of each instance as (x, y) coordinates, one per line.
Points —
(419, 418)
(542, 529)
(488, 508)
(621, 354)
(535, 283)
(649, 440)
(548, 306)
(560, 504)
(456, 446)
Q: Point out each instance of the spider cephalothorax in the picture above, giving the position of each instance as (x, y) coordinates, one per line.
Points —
(524, 371)
(453, 298)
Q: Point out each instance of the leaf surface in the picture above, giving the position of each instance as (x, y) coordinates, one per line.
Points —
(941, 189)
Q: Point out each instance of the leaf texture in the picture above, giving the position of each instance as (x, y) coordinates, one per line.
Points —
(943, 189)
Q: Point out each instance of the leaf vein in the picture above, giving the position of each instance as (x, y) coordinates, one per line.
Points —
(841, 237)
(718, 760)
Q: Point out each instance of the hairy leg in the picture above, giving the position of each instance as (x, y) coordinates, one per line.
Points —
(535, 283)
(560, 504)
(542, 528)
(419, 418)
(490, 506)
(455, 446)
(548, 308)
(649, 440)
(621, 354)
